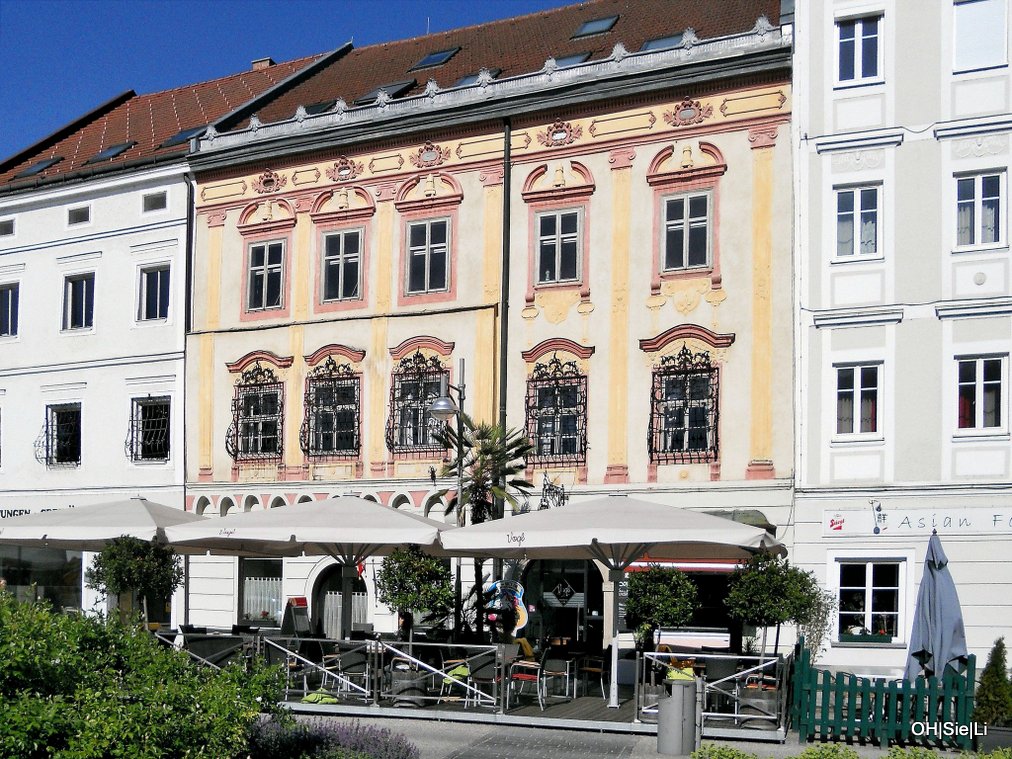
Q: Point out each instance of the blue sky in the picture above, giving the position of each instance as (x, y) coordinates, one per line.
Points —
(61, 58)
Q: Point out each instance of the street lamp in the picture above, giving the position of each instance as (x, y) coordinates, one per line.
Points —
(443, 408)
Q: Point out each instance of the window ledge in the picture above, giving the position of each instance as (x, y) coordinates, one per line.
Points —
(152, 462)
(858, 84)
(869, 644)
(980, 436)
(856, 441)
(857, 260)
(9, 338)
(78, 331)
(981, 70)
(989, 249)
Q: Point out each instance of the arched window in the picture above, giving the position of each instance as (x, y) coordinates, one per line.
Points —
(557, 412)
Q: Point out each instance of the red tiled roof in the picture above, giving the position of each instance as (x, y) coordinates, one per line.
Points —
(517, 46)
(149, 120)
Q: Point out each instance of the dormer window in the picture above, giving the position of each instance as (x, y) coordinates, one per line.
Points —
(322, 107)
(662, 43)
(393, 89)
(571, 60)
(595, 26)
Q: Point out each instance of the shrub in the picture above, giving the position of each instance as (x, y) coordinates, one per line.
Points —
(712, 751)
(828, 751)
(327, 739)
(994, 693)
(81, 688)
(911, 752)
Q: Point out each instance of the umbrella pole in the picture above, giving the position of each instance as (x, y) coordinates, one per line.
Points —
(348, 575)
(616, 576)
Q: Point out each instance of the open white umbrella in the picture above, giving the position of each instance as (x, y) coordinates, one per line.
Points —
(615, 530)
(90, 528)
(347, 528)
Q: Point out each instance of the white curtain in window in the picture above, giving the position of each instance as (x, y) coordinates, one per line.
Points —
(979, 34)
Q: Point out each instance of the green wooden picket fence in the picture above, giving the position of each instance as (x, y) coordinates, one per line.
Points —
(845, 707)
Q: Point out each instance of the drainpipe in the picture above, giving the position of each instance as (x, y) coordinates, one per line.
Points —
(504, 297)
(187, 326)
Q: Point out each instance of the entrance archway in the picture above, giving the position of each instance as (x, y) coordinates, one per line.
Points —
(568, 602)
(326, 620)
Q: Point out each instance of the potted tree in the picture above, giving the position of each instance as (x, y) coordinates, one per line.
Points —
(130, 570)
(994, 701)
(658, 597)
(413, 582)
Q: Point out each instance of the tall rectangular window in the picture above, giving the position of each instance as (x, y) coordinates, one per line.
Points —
(9, 309)
(154, 293)
(330, 426)
(415, 384)
(859, 50)
(428, 256)
(342, 265)
(687, 231)
(260, 422)
(978, 210)
(869, 598)
(857, 399)
(266, 275)
(981, 392)
(79, 301)
(979, 34)
(857, 222)
(558, 247)
(148, 439)
(63, 435)
(684, 409)
(261, 592)
(557, 412)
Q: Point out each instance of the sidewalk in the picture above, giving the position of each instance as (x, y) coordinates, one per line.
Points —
(456, 740)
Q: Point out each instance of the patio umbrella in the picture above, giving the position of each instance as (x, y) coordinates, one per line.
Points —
(615, 530)
(347, 528)
(937, 639)
(90, 528)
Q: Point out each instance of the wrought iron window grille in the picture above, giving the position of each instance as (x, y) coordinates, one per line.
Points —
(557, 413)
(59, 442)
(684, 409)
(257, 430)
(411, 429)
(149, 432)
(330, 426)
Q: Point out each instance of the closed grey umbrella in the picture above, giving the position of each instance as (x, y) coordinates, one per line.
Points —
(937, 639)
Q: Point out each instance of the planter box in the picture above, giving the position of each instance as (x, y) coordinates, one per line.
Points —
(997, 737)
(848, 638)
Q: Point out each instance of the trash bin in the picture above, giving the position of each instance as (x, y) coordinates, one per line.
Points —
(407, 685)
(676, 719)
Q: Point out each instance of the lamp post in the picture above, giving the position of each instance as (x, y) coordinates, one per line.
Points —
(443, 408)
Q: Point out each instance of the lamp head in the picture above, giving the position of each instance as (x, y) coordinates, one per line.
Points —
(443, 408)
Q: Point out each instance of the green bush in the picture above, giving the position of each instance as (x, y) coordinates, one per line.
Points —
(911, 752)
(659, 597)
(713, 751)
(994, 692)
(828, 751)
(998, 753)
(81, 688)
(327, 739)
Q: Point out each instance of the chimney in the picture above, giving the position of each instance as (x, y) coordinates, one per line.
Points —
(262, 63)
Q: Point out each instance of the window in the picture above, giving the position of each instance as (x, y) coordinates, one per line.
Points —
(978, 210)
(330, 426)
(39, 167)
(81, 215)
(858, 50)
(571, 60)
(869, 599)
(684, 409)
(257, 429)
(156, 201)
(9, 309)
(435, 59)
(469, 80)
(857, 388)
(979, 34)
(393, 90)
(184, 135)
(260, 589)
(6, 228)
(79, 301)
(557, 412)
(428, 256)
(686, 241)
(148, 437)
(662, 43)
(857, 222)
(559, 247)
(596, 26)
(63, 435)
(154, 295)
(981, 382)
(266, 271)
(342, 265)
(410, 426)
(110, 152)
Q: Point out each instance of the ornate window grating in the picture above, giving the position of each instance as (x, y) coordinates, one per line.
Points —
(257, 429)
(59, 443)
(684, 409)
(330, 427)
(557, 413)
(149, 432)
(411, 429)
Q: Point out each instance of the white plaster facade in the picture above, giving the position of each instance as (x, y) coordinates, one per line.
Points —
(104, 367)
(920, 111)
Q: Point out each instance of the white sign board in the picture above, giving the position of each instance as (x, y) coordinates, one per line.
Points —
(879, 519)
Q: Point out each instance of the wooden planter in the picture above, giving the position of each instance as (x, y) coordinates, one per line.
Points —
(849, 638)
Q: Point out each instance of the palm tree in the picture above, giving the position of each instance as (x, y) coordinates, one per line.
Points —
(491, 468)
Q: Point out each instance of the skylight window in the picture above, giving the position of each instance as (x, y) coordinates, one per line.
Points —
(394, 89)
(571, 60)
(662, 43)
(41, 166)
(323, 106)
(595, 26)
(472, 79)
(435, 59)
(184, 136)
(111, 152)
